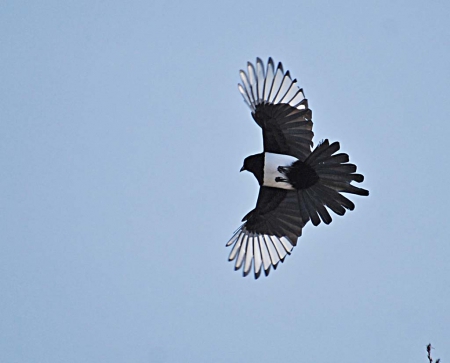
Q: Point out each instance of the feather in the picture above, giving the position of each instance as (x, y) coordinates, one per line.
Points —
(318, 204)
(264, 254)
(236, 247)
(272, 251)
(281, 251)
(286, 244)
(241, 254)
(248, 256)
(257, 253)
(309, 205)
(336, 196)
(345, 178)
(260, 76)
(326, 168)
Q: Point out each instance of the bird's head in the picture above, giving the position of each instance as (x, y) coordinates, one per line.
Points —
(255, 165)
(253, 162)
(245, 165)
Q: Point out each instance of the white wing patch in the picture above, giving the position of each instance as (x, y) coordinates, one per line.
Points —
(271, 163)
(260, 250)
(269, 86)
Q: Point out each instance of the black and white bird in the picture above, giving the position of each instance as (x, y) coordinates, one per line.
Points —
(297, 184)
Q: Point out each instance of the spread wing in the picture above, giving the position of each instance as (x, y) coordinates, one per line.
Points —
(279, 107)
(270, 231)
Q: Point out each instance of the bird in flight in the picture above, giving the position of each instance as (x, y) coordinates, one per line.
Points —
(296, 184)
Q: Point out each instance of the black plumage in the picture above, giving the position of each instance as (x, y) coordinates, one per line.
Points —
(297, 184)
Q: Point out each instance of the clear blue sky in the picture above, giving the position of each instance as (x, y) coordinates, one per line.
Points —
(122, 133)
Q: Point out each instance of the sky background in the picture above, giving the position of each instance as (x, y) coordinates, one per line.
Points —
(122, 133)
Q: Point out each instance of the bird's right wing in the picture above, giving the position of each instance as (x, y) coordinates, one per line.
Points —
(270, 231)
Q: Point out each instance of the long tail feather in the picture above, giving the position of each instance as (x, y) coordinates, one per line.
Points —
(335, 176)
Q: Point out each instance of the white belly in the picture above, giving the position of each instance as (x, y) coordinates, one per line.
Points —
(271, 164)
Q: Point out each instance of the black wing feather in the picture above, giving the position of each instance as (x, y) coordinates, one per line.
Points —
(276, 213)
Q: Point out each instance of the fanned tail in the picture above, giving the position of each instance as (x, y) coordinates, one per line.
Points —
(335, 177)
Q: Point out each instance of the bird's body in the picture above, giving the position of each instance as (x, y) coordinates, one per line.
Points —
(273, 166)
(297, 184)
(281, 171)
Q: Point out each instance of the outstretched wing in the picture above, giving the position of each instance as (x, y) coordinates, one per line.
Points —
(279, 107)
(270, 231)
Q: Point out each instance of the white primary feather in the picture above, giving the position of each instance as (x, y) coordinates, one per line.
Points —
(248, 256)
(257, 250)
(241, 254)
(271, 86)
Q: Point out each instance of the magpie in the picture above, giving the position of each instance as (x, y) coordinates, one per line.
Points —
(296, 183)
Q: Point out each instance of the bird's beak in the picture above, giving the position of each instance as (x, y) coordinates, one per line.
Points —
(242, 169)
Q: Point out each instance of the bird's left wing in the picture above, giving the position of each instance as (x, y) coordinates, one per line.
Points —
(279, 107)
(270, 231)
